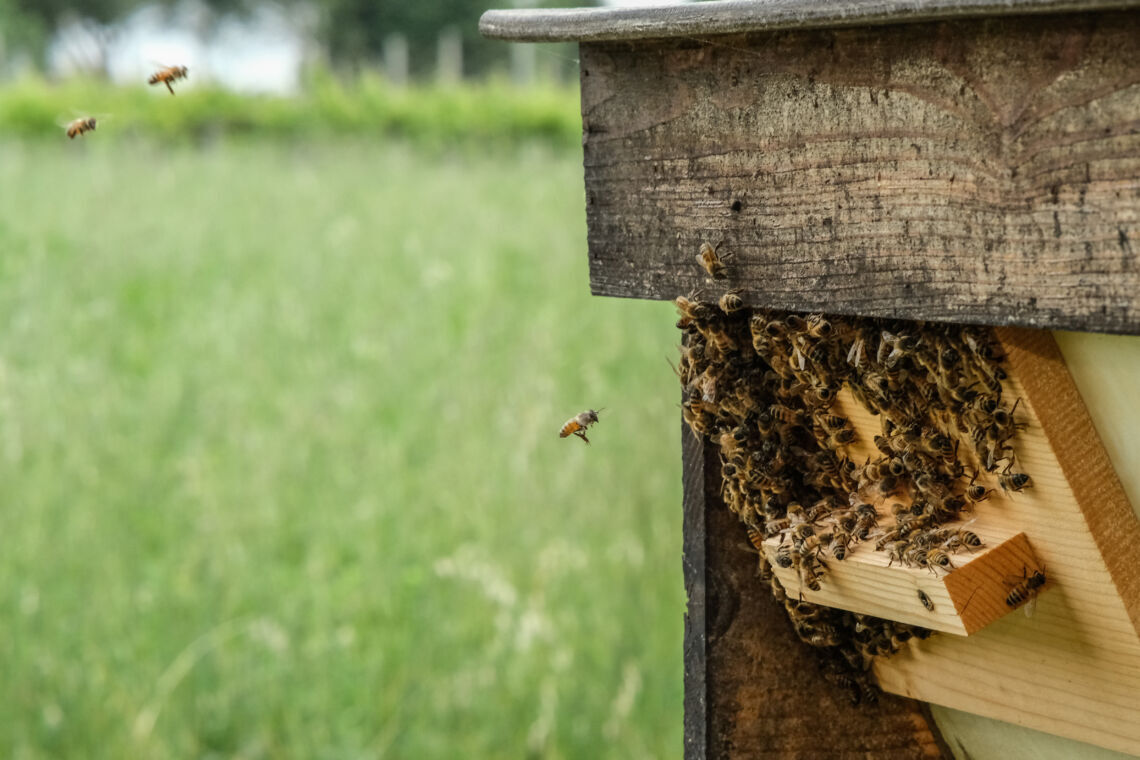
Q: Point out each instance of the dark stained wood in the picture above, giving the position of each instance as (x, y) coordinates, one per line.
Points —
(694, 560)
(734, 16)
(982, 171)
(752, 688)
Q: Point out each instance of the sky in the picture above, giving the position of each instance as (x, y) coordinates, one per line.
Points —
(262, 53)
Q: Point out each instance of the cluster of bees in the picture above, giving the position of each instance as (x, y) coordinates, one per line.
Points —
(762, 386)
(167, 75)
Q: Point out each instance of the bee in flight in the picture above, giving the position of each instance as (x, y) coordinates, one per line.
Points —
(577, 425)
(78, 126)
(169, 74)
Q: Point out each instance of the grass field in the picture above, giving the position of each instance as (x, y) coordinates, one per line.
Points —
(366, 106)
(279, 461)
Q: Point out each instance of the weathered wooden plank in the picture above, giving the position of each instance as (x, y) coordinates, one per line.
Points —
(762, 693)
(694, 561)
(983, 171)
(734, 16)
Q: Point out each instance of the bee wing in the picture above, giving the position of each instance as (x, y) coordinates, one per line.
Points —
(1013, 580)
(1031, 605)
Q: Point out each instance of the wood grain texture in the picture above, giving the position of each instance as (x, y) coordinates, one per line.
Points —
(694, 561)
(962, 602)
(734, 16)
(763, 694)
(1073, 669)
(983, 171)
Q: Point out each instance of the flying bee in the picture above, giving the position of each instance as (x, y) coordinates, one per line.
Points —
(922, 597)
(78, 126)
(731, 302)
(578, 424)
(1025, 587)
(712, 262)
(169, 74)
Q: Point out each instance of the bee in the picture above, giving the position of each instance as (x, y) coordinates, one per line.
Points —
(817, 326)
(712, 262)
(922, 597)
(169, 74)
(1025, 588)
(1013, 481)
(577, 425)
(784, 555)
(831, 422)
(938, 557)
(785, 414)
(692, 311)
(840, 541)
(79, 126)
(977, 493)
(756, 538)
(840, 437)
(731, 302)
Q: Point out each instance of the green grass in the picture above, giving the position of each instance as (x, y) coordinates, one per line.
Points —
(368, 107)
(279, 461)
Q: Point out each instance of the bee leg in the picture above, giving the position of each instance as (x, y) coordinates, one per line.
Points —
(167, 83)
(581, 435)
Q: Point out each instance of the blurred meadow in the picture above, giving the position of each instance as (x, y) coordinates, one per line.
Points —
(279, 400)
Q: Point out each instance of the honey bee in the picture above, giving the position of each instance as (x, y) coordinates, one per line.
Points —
(731, 302)
(817, 326)
(784, 555)
(79, 126)
(922, 597)
(1013, 481)
(938, 557)
(169, 74)
(712, 262)
(976, 493)
(840, 541)
(1025, 588)
(577, 425)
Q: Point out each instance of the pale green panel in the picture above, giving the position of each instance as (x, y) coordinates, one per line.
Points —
(972, 737)
(1106, 369)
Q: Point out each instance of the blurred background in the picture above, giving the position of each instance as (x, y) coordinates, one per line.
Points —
(284, 360)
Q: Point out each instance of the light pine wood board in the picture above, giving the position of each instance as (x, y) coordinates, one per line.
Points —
(961, 602)
(1073, 669)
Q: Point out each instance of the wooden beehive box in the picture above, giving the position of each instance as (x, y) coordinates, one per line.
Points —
(972, 162)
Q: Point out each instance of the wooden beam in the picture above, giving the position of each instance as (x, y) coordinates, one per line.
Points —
(749, 681)
(981, 171)
(960, 602)
(735, 16)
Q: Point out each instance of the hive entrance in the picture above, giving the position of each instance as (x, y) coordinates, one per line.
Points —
(1070, 521)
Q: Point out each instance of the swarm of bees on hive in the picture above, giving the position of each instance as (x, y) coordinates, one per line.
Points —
(762, 387)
